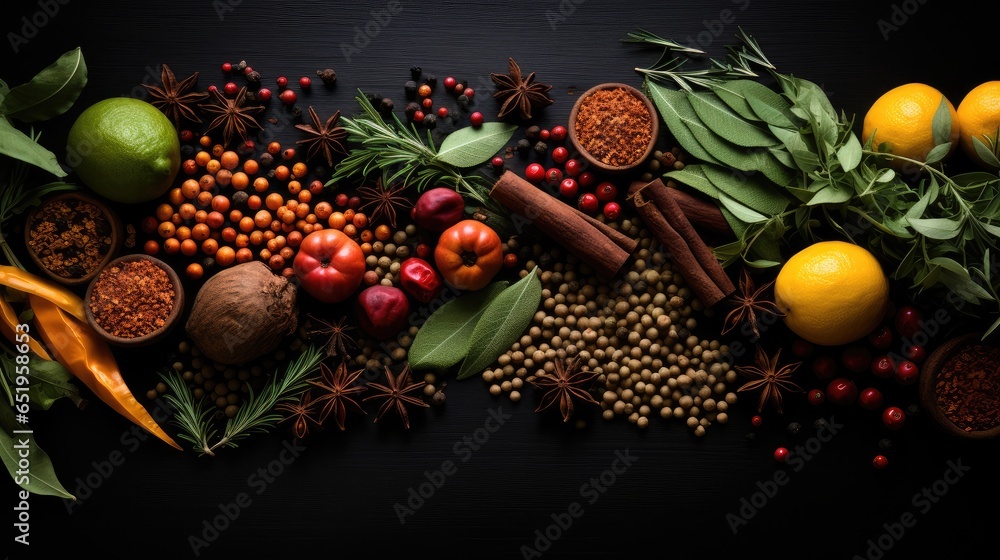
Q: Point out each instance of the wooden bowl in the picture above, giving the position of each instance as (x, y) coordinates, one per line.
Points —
(149, 338)
(928, 394)
(590, 158)
(117, 237)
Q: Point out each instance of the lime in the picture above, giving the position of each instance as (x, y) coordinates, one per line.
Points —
(124, 149)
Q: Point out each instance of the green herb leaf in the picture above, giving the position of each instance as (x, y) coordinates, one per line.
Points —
(4, 90)
(729, 92)
(722, 120)
(830, 194)
(20, 146)
(48, 380)
(750, 190)
(694, 177)
(502, 323)
(740, 211)
(443, 340)
(985, 153)
(51, 92)
(936, 228)
(938, 153)
(803, 151)
(42, 480)
(472, 146)
(677, 114)
(941, 124)
(849, 155)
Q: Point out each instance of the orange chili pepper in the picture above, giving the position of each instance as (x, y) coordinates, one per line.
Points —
(14, 277)
(88, 357)
(9, 324)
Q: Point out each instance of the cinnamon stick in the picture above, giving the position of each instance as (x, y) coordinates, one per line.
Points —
(703, 214)
(594, 245)
(694, 259)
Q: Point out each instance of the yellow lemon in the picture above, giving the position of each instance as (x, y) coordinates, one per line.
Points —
(903, 117)
(832, 293)
(124, 149)
(979, 117)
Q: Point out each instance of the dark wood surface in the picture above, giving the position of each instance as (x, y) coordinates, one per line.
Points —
(338, 493)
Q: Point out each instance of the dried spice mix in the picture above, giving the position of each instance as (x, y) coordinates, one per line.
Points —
(70, 237)
(968, 388)
(132, 299)
(614, 126)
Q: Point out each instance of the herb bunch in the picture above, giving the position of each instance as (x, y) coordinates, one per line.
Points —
(786, 167)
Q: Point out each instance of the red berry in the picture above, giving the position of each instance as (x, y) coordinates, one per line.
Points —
(572, 167)
(341, 199)
(227, 67)
(568, 187)
(442, 112)
(842, 391)
(423, 250)
(870, 398)
(212, 88)
(354, 202)
(497, 161)
(418, 116)
(305, 82)
(908, 321)
(586, 179)
(883, 367)
(816, 397)
(544, 134)
(881, 339)
(553, 176)
(264, 94)
(469, 92)
(781, 454)
(880, 462)
(230, 88)
(449, 83)
(427, 103)
(588, 203)
(893, 418)
(915, 352)
(558, 133)
(612, 210)
(247, 71)
(907, 373)
(534, 172)
(459, 89)
(824, 367)
(476, 118)
(606, 191)
(186, 135)
(281, 81)
(857, 358)
(288, 97)
(802, 348)
(757, 420)
(560, 154)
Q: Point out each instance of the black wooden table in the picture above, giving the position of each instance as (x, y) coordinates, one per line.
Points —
(483, 477)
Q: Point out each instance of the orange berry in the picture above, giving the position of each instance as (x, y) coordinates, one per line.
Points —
(294, 239)
(260, 184)
(235, 215)
(242, 240)
(194, 271)
(281, 172)
(254, 202)
(360, 220)
(220, 203)
(190, 166)
(351, 230)
(202, 158)
(201, 216)
(383, 232)
(176, 196)
(256, 237)
(274, 201)
(207, 182)
(302, 210)
(246, 224)
(287, 253)
(171, 246)
(316, 187)
(209, 246)
(337, 220)
(240, 180)
(189, 247)
(218, 150)
(151, 247)
(250, 167)
(323, 210)
(213, 166)
(264, 254)
(299, 169)
(163, 212)
(273, 148)
(305, 196)
(229, 159)
(204, 198)
(166, 229)
(366, 248)
(229, 235)
(225, 256)
(366, 236)
(244, 255)
(294, 187)
(182, 233)
(349, 214)
(262, 219)
(200, 232)
(190, 188)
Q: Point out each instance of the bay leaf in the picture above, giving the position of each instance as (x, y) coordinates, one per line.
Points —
(679, 117)
(725, 122)
(51, 92)
(42, 480)
(502, 324)
(474, 145)
(20, 146)
(443, 339)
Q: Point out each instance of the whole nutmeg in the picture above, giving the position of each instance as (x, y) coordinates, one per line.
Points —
(383, 311)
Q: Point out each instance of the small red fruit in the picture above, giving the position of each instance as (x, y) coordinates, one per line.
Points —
(824, 367)
(883, 367)
(816, 397)
(893, 418)
(915, 352)
(757, 420)
(449, 83)
(476, 119)
(612, 210)
(908, 319)
(305, 82)
(263, 95)
(558, 133)
(553, 176)
(587, 179)
(842, 391)
(881, 339)
(781, 454)
(443, 112)
(802, 348)
(856, 358)
(572, 167)
(281, 81)
(907, 373)
(288, 97)
(469, 92)
(418, 116)
(588, 203)
(568, 187)
(870, 398)
(230, 88)
(606, 191)
(560, 154)
(544, 134)
(534, 172)
(880, 462)
(227, 67)
(497, 161)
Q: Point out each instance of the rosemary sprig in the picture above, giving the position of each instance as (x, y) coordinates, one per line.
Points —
(402, 156)
(256, 415)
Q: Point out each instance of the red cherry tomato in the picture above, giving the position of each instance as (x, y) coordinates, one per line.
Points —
(329, 265)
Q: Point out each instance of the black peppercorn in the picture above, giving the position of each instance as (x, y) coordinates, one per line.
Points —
(410, 87)
(415, 71)
(411, 109)
(463, 100)
(430, 120)
(296, 112)
(386, 105)
(374, 97)
(532, 132)
(794, 428)
(187, 150)
(541, 148)
(241, 197)
(253, 77)
(431, 80)
(885, 443)
(265, 159)
(523, 145)
(328, 76)
(240, 66)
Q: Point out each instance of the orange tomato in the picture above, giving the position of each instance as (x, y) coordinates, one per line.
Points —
(468, 255)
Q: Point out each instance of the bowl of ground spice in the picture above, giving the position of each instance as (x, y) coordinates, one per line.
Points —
(134, 301)
(72, 236)
(614, 127)
(960, 387)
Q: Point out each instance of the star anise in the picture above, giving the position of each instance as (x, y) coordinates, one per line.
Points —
(338, 390)
(324, 137)
(338, 341)
(175, 98)
(300, 413)
(232, 114)
(569, 380)
(396, 395)
(519, 94)
(386, 201)
(771, 379)
(748, 304)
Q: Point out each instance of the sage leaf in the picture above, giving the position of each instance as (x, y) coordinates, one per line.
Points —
(938, 153)
(749, 190)
(694, 177)
(722, 120)
(849, 155)
(42, 480)
(48, 381)
(20, 146)
(472, 146)
(443, 339)
(989, 156)
(957, 278)
(766, 103)
(802, 151)
(935, 228)
(502, 324)
(941, 123)
(4, 90)
(730, 94)
(51, 92)
(740, 211)
(738, 226)
(771, 167)
(677, 114)
(830, 194)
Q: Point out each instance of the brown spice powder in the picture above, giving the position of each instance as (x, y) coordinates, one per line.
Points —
(614, 126)
(132, 299)
(71, 238)
(968, 388)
